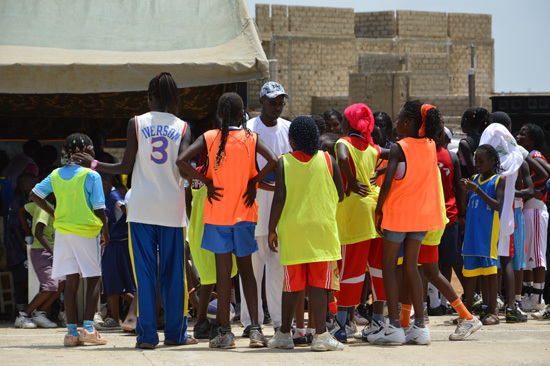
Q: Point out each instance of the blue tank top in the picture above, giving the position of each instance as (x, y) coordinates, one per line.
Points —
(482, 222)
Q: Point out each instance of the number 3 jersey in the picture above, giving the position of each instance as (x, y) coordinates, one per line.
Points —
(158, 195)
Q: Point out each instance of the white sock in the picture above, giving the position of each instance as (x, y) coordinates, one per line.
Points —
(433, 292)
(310, 331)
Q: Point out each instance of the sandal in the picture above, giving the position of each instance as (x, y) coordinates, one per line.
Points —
(490, 319)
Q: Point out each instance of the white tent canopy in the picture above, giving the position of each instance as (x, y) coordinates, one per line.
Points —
(83, 46)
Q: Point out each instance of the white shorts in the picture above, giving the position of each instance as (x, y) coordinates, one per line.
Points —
(536, 226)
(76, 254)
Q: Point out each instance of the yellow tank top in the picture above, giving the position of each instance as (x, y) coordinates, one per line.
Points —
(307, 228)
(434, 237)
(355, 214)
(204, 260)
(72, 214)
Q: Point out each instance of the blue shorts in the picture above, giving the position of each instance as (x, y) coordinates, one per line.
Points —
(518, 260)
(238, 238)
(479, 266)
(399, 237)
(450, 248)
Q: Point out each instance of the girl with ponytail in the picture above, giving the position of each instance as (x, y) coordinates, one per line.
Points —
(230, 208)
(407, 208)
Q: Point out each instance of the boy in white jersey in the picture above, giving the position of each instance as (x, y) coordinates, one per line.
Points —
(273, 130)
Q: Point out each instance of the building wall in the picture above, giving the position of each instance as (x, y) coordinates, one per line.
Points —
(379, 58)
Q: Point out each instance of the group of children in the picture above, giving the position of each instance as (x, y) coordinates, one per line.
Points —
(322, 206)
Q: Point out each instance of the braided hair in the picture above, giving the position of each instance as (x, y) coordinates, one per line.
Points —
(75, 143)
(477, 118)
(433, 121)
(304, 133)
(491, 153)
(230, 106)
(164, 88)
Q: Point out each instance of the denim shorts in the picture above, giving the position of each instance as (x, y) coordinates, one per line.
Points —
(399, 237)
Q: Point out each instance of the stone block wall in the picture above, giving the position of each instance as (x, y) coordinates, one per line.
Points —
(469, 26)
(380, 62)
(379, 24)
(382, 58)
(421, 24)
(320, 104)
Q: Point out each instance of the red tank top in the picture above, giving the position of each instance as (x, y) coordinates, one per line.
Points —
(446, 168)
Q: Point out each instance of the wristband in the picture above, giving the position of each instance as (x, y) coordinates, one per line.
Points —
(93, 164)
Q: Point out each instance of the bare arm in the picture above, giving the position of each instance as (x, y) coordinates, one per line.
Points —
(269, 155)
(128, 160)
(384, 153)
(524, 188)
(337, 179)
(457, 176)
(182, 162)
(343, 163)
(277, 205)
(105, 229)
(40, 202)
(464, 149)
(39, 234)
(540, 175)
(494, 203)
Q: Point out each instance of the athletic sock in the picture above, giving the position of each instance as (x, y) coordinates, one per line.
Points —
(404, 315)
(527, 288)
(88, 325)
(310, 331)
(341, 317)
(518, 297)
(71, 330)
(378, 317)
(538, 291)
(419, 322)
(463, 313)
(225, 330)
(396, 323)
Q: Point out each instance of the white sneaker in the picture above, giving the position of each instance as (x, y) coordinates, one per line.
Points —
(539, 305)
(325, 342)
(528, 304)
(374, 326)
(388, 335)
(24, 321)
(418, 335)
(97, 318)
(359, 319)
(542, 314)
(281, 340)
(40, 319)
(465, 328)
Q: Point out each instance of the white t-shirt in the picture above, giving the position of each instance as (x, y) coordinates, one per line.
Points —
(276, 138)
(158, 195)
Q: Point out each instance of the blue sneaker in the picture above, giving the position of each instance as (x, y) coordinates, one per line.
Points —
(339, 333)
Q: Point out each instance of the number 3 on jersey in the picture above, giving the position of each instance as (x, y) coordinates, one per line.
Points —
(159, 149)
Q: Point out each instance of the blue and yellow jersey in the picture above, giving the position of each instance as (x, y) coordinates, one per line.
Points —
(482, 222)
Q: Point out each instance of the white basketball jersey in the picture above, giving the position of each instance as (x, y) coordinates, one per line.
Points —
(158, 195)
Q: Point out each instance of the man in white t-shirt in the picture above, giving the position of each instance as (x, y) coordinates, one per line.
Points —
(273, 130)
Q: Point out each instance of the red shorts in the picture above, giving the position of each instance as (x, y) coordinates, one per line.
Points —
(374, 264)
(428, 254)
(352, 266)
(316, 274)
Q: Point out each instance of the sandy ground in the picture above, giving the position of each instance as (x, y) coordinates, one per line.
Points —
(504, 344)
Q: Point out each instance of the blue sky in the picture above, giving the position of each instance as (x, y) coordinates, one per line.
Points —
(521, 30)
